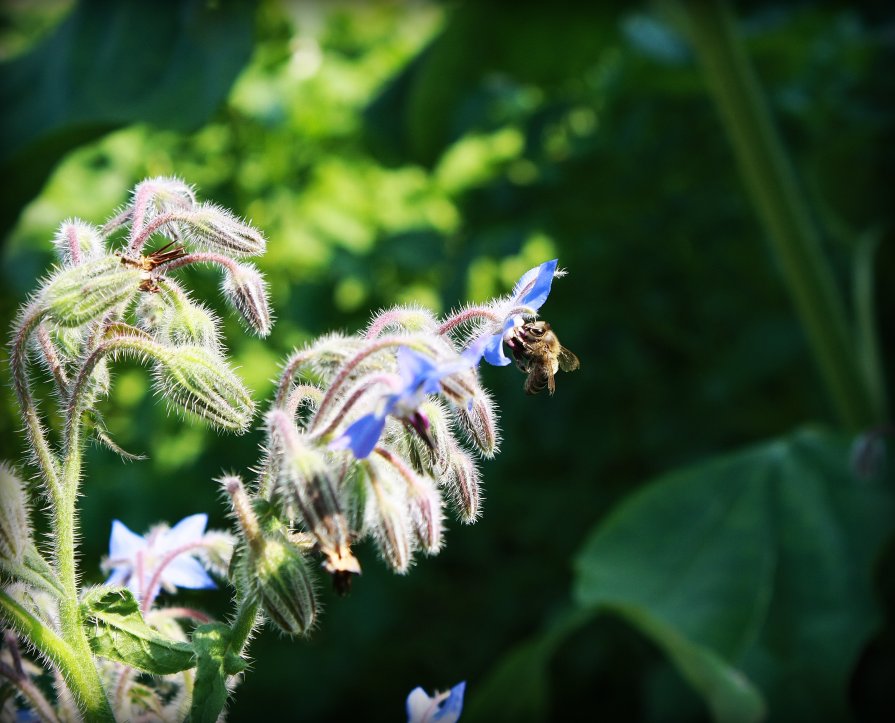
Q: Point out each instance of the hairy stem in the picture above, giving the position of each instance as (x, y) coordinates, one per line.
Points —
(769, 176)
(78, 671)
(37, 435)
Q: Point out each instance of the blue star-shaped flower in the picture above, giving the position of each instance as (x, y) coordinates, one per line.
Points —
(419, 376)
(532, 291)
(442, 707)
(166, 554)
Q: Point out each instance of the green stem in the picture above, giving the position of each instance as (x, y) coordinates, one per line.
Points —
(79, 672)
(769, 176)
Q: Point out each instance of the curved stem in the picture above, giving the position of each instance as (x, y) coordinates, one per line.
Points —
(467, 315)
(37, 436)
(769, 176)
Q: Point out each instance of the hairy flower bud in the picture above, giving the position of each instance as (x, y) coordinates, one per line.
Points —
(150, 311)
(479, 421)
(306, 483)
(189, 323)
(284, 584)
(424, 503)
(245, 288)
(196, 379)
(217, 229)
(81, 294)
(15, 529)
(387, 515)
(463, 484)
(77, 241)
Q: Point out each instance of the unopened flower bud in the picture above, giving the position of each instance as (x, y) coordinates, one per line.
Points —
(77, 241)
(464, 485)
(479, 421)
(245, 288)
(189, 323)
(424, 503)
(150, 311)
(15, 529)
(386, 514)
(306, 483)
(196, 379)
(217, 229)
(81, 294)
(284, 584)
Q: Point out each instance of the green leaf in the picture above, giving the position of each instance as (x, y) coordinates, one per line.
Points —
(517, 689)
(116, 630)
(760, 561)
(215, 663)
(109, 64)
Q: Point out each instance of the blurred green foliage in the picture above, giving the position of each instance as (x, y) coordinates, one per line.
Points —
(428, 153)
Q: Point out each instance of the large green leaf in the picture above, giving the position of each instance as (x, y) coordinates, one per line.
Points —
(116, 630)
(110, 64)
(760, 561)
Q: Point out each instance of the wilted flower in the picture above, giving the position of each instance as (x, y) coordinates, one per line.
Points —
(530, 292)
(418, 376)
(164, 559)
(442, 707)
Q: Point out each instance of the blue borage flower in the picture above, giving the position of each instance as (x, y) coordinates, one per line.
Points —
(418, 376)
(530, 292)
(442, 707)
(164, 554)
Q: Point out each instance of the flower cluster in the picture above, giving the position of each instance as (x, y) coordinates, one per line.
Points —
(373, 436)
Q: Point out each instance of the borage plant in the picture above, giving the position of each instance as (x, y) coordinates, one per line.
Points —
(366, 437)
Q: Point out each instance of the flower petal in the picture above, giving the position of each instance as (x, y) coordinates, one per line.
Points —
(494, 353)
(361, 436)
(449, 711)
(189, 529)
(534, 286)
(124, 544)
(119, 575)
(186, 571)
(443, 707)
(419, 706)
(414, 367)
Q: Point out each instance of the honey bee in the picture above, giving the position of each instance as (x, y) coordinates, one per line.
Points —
(539, 354)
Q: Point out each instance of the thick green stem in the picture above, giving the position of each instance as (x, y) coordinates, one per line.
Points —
(769, 176)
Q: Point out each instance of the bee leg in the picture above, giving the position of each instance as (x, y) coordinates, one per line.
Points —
(551, 384)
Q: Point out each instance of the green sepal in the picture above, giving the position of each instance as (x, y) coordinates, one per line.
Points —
(116, 630)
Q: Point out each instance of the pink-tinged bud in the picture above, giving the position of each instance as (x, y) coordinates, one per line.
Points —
(77, 241)
(216, 229)
(479, 421)
(306, 484)
(15, 527)
(80, 294)
(197, 380)
(464, 485)
(424, 503)
(387, 514)
(244, 287)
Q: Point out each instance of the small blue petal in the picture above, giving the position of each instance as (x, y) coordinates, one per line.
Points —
(414, 367)
(189, 529)
(494, 353)
(187, 572)
(361, 436)
(540, 287)
(123, 543)
(450, 709)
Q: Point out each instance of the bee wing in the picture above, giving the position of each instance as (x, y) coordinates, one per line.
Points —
(568, 362)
